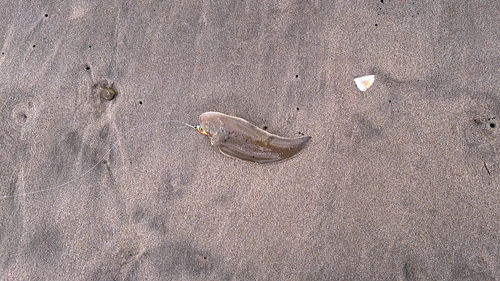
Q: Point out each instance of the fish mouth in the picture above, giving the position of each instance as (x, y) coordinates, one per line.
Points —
(200, 130)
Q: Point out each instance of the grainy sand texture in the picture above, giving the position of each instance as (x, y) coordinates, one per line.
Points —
(400, 182)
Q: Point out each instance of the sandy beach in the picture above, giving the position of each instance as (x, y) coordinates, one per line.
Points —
(400, 182)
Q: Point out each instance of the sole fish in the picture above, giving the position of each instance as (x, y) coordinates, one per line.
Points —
(239, 138)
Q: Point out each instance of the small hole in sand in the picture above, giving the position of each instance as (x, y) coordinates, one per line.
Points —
(140, 102)
(264, 128)
(87, 67)
(492, 125)
(296, 76)
(376, 24)
(90, 47)
(46, 15)
(34, 46)
(298, 108)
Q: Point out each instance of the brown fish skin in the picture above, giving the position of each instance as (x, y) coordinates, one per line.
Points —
(239, 138)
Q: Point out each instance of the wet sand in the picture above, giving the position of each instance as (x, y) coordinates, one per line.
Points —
(400, 182)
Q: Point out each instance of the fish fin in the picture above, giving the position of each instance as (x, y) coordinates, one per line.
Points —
(275, 149)
(260, 158)
(286, 143)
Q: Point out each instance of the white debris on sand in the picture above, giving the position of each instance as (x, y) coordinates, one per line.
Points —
(365, 82)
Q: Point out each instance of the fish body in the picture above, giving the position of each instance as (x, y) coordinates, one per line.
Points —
(239, 138)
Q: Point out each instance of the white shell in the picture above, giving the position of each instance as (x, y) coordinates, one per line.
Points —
(364, 82)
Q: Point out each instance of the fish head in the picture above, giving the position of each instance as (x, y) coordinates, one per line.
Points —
(210, 123)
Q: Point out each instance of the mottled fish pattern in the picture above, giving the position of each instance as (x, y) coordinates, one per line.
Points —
(239, 138)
